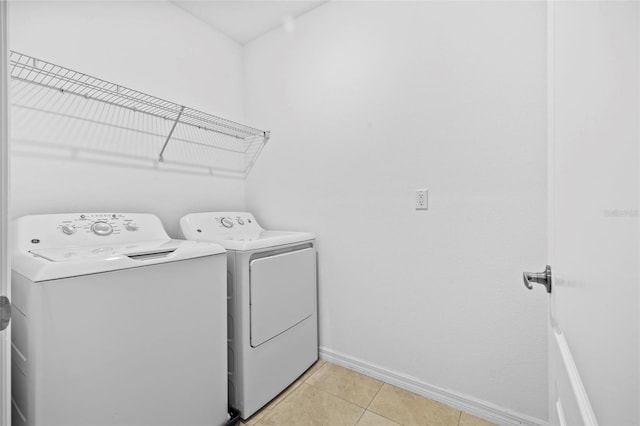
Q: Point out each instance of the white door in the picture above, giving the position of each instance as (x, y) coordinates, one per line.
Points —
(5, 268)
(594, 96)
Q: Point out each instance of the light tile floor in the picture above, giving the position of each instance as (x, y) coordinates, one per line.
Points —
(331, 395)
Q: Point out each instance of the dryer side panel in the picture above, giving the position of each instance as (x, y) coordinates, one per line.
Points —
(282, 293)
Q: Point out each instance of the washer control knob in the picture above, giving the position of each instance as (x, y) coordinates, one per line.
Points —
(101, 228)
(68, 229)
(132, 227)
(240, 221)
(226, 222)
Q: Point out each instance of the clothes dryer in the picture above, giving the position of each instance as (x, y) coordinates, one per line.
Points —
(272, 303)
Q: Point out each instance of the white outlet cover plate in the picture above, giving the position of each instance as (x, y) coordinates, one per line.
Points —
(422, 199)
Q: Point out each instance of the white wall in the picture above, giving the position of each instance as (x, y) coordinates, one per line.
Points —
(153, 47)
(368, 101)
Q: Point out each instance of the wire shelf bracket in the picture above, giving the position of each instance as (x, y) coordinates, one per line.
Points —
(173, 128)
(56, 105)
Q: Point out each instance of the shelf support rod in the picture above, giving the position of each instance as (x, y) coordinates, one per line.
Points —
(175, 123)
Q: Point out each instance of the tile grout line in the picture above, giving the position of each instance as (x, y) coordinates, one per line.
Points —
(314, 373)
(385, 417)
(334, 395)
(378, 392)
(351, 402)
(340, 397)
(374, 396)
(298, 386)
(377, 414)
(271, 408)
(359, 418)
(268, 407)
(285, 397)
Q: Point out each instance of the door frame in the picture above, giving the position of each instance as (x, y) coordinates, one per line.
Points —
(5, 260)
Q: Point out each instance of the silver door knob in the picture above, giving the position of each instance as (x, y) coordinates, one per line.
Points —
(543, 278)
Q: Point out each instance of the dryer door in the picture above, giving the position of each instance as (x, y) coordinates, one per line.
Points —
(283, 293)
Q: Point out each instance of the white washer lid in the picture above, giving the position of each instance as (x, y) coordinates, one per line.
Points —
(100, 252)
(65, 262)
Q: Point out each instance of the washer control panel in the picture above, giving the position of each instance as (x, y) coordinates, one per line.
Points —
(100, 224)
(102, 228)
(61, 230)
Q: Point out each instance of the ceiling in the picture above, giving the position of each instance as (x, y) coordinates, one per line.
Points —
(245, 20)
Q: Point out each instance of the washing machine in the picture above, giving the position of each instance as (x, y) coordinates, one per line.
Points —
(272, 307)
(116, 324)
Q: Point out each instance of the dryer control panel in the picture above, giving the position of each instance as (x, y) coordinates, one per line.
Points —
(237, 231)
(77, 229)
(220, 225)
(237, 221)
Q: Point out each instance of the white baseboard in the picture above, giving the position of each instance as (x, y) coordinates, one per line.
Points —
(477, 407)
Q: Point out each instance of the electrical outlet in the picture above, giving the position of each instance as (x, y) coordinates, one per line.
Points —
(422, 200)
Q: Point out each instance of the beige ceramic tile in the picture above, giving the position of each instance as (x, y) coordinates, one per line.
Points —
(315, 367)
(469, 420)
(354, 387)
(372, 419)
(308, 405)
(253, 420)
(278, 399)
(410, 409)
(284, 394)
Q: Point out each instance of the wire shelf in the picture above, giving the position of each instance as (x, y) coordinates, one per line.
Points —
(61, 107)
